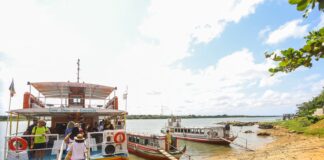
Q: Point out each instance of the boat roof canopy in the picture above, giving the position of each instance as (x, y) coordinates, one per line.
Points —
(57, 111)
(62, 89)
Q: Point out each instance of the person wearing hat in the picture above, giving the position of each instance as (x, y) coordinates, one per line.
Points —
(78, 149)
(39, 141)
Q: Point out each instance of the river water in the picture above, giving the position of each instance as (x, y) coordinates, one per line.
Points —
(197, 151)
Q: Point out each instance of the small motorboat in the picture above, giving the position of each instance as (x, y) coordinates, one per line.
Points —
(153, 147)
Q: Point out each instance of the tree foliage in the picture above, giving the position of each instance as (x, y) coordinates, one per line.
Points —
(308, 108)
(290, 59)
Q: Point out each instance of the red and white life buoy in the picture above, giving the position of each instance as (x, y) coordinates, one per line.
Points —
(117, 138)
(13, 144)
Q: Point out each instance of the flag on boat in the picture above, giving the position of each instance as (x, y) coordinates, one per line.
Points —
(12, 89)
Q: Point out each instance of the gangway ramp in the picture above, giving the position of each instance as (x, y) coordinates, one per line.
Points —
(166, 154)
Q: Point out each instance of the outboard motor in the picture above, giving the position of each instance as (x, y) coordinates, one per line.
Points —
(114, 142)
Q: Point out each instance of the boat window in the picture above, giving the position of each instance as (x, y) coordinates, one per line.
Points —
(141, 141)
(202, 131)
(76, 100)
(181, 130)
(137, 139)
(146, 141)
(131, 138)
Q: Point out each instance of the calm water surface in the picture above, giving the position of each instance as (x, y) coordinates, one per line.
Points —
(197, 151)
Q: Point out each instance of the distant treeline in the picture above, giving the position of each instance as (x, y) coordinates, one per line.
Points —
(192, 116)
(4, 118)
(14, 118)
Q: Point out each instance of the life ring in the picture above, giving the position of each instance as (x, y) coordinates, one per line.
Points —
(13, 147)
(118, 140)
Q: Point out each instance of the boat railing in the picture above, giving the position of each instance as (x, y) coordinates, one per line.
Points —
(63, 102)
(55, 105)
(19, 146)
(60, 155)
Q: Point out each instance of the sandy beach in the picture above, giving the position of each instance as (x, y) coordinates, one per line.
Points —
(290, 146)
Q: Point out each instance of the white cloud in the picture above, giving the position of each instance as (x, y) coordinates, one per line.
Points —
(264, 31)
(44, 41)
(318, 86)
(201, 20)
(321, 23)
(312, 77)
(290, 29)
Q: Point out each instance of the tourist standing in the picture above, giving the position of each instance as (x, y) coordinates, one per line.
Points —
(168, 140)
(69, 128)
(108, 125)
(70, 137)
(78, 149)
(39, 141)
(28, 139)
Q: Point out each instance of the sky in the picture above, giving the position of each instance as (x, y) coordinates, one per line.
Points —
(202, 57)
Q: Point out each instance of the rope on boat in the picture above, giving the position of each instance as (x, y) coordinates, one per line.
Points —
(245, 147)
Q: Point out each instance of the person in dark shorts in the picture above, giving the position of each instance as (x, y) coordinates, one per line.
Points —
(28, 139)
(39, 141)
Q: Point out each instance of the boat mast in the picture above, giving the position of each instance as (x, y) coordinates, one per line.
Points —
(78, 78)
(125, 97)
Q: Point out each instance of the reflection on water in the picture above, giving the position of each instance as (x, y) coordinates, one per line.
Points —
(195, 150)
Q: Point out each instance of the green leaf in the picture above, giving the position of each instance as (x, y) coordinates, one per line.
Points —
(321, 31)
(277, 58)
(283, 63)
(321, 5)
(307, 48)
(294, 1)
(313, 3)
(302, 5)
(271, 70)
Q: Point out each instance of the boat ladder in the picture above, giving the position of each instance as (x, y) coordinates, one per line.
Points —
(166, 154)
(245, 147)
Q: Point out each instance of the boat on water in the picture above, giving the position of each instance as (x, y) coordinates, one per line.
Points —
(220, 135)
(153, 147)
(61, 102)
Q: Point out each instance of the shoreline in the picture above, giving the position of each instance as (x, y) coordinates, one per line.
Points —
(287, 146)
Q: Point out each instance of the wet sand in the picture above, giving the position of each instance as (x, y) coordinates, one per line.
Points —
(286, 146)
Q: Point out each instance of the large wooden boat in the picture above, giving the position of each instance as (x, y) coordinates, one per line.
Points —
(61, 102)
(213, 135)
(152, 146)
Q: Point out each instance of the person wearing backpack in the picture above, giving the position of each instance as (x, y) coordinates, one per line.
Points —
(28, 139)
(39, 141)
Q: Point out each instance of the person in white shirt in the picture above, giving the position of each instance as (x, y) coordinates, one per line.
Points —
(78, 148)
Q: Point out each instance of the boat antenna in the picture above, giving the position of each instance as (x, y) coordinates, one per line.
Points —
(78, 78)
(125, 97)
